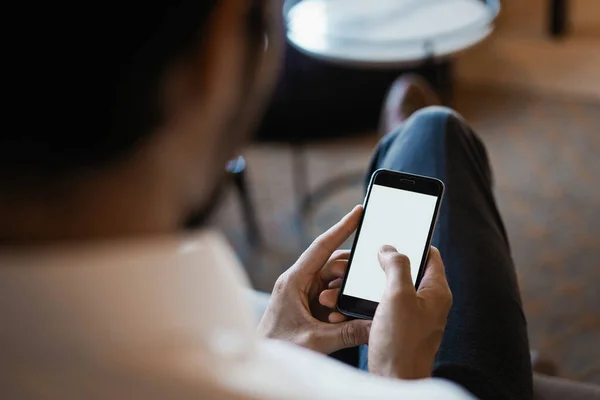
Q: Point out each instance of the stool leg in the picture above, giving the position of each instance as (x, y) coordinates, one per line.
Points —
(558, 18)
(446, 83)
(299, 173)
(240, 182)
(300, 183)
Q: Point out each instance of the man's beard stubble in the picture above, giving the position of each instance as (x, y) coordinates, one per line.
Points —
(199, 217)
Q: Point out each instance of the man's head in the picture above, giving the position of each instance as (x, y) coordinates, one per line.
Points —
(123, 116)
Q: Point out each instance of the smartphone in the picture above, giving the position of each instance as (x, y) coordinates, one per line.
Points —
(400, 210)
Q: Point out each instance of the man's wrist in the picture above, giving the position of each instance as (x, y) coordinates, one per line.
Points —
(417, 368)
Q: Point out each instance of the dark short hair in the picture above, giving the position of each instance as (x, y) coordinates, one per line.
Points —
(84, 81)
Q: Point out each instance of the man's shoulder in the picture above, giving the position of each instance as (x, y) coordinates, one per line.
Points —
(295, 372)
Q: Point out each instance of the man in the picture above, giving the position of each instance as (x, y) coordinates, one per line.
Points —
(122, 122)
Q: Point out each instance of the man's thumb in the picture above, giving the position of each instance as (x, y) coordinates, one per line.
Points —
(347, 334)
(396, 267)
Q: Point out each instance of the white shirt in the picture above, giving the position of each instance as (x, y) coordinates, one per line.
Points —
(157, 319)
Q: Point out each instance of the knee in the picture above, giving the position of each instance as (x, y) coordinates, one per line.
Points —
(436, 123)
(439, 113)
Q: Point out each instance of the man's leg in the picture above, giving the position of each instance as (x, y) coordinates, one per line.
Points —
(485, 346)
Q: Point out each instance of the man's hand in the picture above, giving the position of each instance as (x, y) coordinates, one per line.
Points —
(408, 324)
(294, 313)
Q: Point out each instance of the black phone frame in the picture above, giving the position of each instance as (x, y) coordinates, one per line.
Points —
(365, 309)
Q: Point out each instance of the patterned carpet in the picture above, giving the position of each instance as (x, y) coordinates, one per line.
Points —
(545, 153)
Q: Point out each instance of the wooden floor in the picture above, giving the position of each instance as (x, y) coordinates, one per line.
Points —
(521, 55)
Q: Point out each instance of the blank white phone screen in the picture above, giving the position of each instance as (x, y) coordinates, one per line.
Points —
(395, 217)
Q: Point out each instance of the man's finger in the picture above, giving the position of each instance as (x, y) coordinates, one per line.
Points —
(345, 334)
(315, 257)
(337, 283)
(434, 268)
(328, 298)
(336, 317)
(434, 271)
(397, 269)
(336, 266)
(341, 254)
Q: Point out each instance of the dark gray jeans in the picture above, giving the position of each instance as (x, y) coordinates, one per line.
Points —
(485, 347)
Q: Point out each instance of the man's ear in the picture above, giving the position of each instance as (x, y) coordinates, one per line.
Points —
(213, 73)
(202, 94)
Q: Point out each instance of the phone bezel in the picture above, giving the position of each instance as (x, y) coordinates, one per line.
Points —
(365, 309)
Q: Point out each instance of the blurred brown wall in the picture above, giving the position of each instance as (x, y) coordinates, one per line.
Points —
(522, 55)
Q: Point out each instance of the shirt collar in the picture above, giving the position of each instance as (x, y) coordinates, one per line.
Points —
(152, 292)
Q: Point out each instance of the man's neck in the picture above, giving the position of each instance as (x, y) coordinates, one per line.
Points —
(95, 208)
